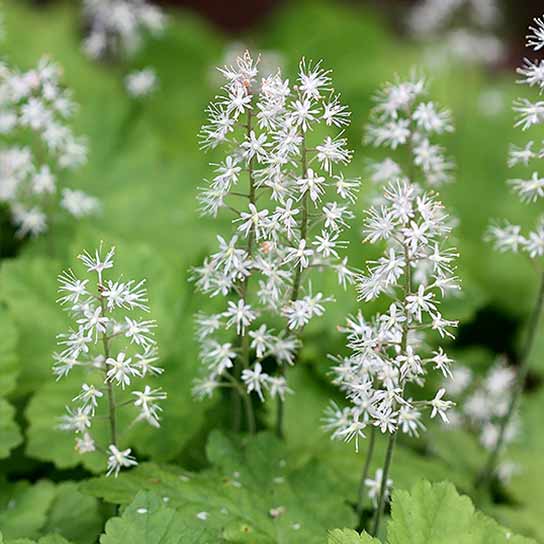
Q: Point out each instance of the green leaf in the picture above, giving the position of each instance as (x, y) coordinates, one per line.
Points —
(29, 288)
(147, 520)
(8, 353)
(349, 536)
(24, 507)
(252, 493)
(437, 514)
(10, 435)
(53, 512)
(73, 515)
(49, 539)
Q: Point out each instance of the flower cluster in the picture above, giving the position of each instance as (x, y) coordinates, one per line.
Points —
(483, 403)
(34, 108)
(117, 27)
(474, 41)
(114, 348)
(402, 117)
(530, 188)
(290, 207)
(388, 352)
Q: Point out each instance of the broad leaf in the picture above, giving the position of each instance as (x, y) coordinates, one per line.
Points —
(252, 493)
(10, 436)
(24, 507)
(9, 364)
(349, 536)
(73, 515)
(148, 520)
(437, 514)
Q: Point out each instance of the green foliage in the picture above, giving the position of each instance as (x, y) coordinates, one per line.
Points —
(29, 289)
(145, 167)
(349, 536)
(148, 521)
(251, 493)
(73, 515)
(49, 539)
(434, 514)
(54, 512)
(24, 507)
(10, 436)
(430, 514)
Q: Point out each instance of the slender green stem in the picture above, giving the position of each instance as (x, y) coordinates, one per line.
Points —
(364, 474)
(236, 409)
(250, 414)
(486, 474)
(303, 220)
(280, 413)
(243, 338)
(383, 488)
(303, 228)
(112, 407)
(393, 437)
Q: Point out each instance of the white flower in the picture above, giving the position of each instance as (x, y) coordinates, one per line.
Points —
(312, 184)
(301, 255)
(332, 151)
(121, 369)
(72, 288)
(255, 379)
(429, 119)
(146, 401)
(97, 263)
(141, 82)
(531, 189)
(506, 237)
(530, 113)
(78, 203)
(374, 487)
(261, 340)
(78, 421)
(140, 332)
(239, 314)
(313, 80)
(253, 221)
(536, 39)
(119, 459)
(440, 406)
(89, 396)
(218, 356)
(31, 221)
(85, 444)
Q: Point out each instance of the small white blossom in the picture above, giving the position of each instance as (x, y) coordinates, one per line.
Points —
(118, 459)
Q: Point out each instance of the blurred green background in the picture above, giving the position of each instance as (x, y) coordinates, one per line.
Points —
(145, 166)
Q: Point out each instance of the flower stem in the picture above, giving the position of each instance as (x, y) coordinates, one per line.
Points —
(364, 474)
(280, 408)
(486, 474)
(383, 488)
(112, 412)
(279, 415)
(393, 437)
(243, 337)
(250, 415)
